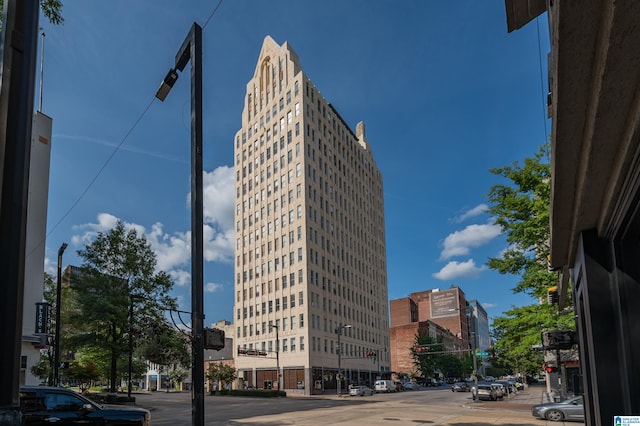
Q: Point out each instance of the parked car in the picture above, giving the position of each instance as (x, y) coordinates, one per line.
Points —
(570, 409)
(45, 405)
(431, 383)
(361, 391)
(385, 386)
(459, 387)
(399, 386)
(412, 386)
(509, 386)
(499, 388)
(484, 392)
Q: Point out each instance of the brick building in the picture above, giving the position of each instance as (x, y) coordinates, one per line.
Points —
(440, 313)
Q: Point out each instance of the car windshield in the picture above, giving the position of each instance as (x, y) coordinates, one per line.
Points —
(573, 401)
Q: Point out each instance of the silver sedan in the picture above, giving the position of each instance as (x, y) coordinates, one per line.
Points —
(360, 391)
(571, 409)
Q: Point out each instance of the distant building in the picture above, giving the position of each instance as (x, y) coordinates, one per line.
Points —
(463, 325)
(36, 333)
(310, 237)
(479, 332)
(223, 356)
(402, 340)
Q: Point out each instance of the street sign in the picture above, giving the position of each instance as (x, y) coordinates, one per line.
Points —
(482, 353)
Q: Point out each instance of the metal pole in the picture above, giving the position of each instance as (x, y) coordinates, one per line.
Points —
(278, 358)
(191, 50)
(197, 294)
(56, 357)
(339, 331)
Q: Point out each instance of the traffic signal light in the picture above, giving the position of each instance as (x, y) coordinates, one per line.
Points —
(552, 295)
(421, 350)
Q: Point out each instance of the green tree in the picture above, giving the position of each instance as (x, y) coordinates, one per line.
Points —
(522, 207)
(120, 294)
(43, 369)
(451, 365)
(520, 329)
(84, 372)
(221, 373)
(50, 288)
(49, 295)
(425, 362)
(178, 375)
(164, 345)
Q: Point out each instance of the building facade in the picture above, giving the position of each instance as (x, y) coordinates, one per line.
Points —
(447, 308)
(595, 190)
(311, 280)
(444, 314)
(37, 333)
(403, 338)
(479, 333)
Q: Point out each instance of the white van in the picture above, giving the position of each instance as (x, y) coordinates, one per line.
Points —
(385, 386)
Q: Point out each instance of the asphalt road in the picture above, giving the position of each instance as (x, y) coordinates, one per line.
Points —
(427, 407)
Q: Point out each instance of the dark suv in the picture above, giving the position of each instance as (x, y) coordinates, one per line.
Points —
(47, 405)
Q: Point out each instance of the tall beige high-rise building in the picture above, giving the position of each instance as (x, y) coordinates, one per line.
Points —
(310, 238)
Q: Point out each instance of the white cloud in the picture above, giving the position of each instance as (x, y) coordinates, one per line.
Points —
(88, 231)
(173, 251)
(50, 267)
(459, 243)
(454, 270)
(476, 211)
(218, 246)
(213, 288)
(180, 277)
(217, 190)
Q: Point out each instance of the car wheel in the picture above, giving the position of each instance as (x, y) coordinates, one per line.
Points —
(554, 415)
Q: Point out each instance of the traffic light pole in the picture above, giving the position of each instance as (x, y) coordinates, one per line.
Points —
(191, 50)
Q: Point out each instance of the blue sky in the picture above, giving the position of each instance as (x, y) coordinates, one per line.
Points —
(445, 93)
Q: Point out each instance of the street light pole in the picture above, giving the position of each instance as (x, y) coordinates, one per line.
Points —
(339, 331)
(56, 353)
(191, 50)
(277, 354)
